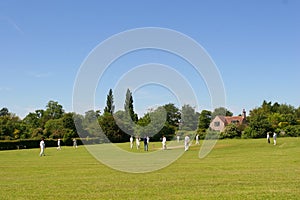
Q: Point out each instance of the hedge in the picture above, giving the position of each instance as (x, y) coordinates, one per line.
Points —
(30, 143)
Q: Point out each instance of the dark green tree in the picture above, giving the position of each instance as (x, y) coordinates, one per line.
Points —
(128, 106)
(204, 120)
(154, 125)
(124, 122)
(35, 122)
(266, 106)
(11, 127)
(4, 112)
(173, 114)
(68, 121)
(32, 120)
(109, 108)
(79, 123)
(292, 130)
(297, 113)
(231, 131)
(53, 110)
(91, 124)
(111, 129)
(286, 109)
(270, 117)
(54, 128)
(189, 118)
(221, 111)
(259, 124)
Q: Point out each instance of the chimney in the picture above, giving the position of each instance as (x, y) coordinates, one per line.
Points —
(244, 114)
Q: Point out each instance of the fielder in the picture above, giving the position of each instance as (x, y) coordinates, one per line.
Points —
(42, 146)
(186, 143)
(131, 142)
(58, 144)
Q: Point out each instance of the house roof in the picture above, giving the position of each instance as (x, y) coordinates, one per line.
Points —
(222, 118)
(238, 119)
(228, 120)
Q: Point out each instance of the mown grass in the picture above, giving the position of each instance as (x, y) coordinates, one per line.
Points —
(235, 169)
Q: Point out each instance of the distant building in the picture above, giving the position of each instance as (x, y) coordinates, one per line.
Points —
(220, 122)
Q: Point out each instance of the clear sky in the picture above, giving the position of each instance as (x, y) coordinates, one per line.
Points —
(255, 44)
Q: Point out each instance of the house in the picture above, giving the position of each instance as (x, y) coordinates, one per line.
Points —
(220, 122)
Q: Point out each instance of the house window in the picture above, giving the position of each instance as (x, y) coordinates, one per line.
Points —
(235, 121)
(216, 124)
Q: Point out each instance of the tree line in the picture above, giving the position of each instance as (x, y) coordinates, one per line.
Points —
(168, 120)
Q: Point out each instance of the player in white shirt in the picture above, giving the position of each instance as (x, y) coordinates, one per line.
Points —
(137, 142)
(42, 147)
(164, 143)
(58, 144)
(197, 139)
(274, 138)
(186, 143)
(131, 142)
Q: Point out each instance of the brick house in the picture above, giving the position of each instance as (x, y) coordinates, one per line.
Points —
(220, 122)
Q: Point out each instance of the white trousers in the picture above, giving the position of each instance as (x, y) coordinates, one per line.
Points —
(186, 146)
(42, 151)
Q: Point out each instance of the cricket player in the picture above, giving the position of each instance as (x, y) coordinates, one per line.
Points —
(42, 146)
(164, 143)
(274, 138)
(131, 142)
(186, 143)
(197, 139)
(137, 142)
(58, 144)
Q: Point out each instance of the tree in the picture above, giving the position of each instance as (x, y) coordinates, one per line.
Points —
(189, 118)
(297, 113)
(32, 120)
(68, 121)
(35, 121)
(53, 110)
(40, 113)
(173, 114)
(204, 120)
(231, 131)
(286, 109)
(11, 127)
(90, 116)
(91, 124)
(275, 119)
(157, 121)
(110, 128)
(221, 111)
(4, 112)
(109, 103)
(275, 107)
(124, 122)
(54, 128)
(266, 106)
(292, 130)
(154, 125)
(290, 118)
(259, 124)
(270, 117)
(78, 122)
(128, 106)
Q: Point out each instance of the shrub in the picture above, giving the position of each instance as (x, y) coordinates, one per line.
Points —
(17, 144)
(292, 130)
(231, 131)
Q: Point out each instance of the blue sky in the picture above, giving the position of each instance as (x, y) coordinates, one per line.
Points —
(254, 44)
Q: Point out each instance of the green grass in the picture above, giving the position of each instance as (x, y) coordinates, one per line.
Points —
(235, 169)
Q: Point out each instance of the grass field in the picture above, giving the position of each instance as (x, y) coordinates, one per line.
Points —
(235, 169)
